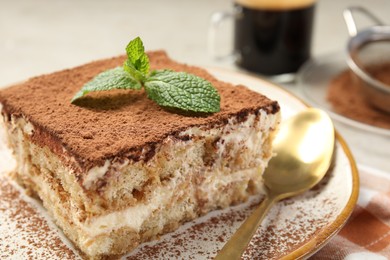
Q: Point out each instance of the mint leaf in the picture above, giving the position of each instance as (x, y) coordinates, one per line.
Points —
(129, 68)
(182, 90)
(115, 78)
(168, 88)
(136, 56)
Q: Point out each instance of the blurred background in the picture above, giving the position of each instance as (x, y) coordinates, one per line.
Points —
(42, 36)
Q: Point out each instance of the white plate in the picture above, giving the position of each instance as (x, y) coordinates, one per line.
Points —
(295, 227)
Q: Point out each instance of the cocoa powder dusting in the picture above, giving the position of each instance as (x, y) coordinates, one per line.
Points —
(345, 95)
(113, 123)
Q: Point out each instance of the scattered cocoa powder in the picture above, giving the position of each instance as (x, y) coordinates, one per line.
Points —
(27, 235)
(269, 242)
(345, 95)
(24, 233)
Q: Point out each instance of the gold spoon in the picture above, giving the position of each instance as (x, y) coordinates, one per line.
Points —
(304, 148)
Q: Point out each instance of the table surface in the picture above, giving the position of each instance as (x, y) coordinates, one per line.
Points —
(43, 36)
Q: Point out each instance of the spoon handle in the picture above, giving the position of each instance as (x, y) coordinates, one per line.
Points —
(236, 245)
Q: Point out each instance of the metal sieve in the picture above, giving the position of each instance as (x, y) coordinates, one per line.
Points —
(367, 48)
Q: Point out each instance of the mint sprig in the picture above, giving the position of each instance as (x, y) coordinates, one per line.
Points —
(167, 88)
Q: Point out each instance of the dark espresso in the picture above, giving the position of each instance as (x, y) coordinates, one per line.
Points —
(273, 41)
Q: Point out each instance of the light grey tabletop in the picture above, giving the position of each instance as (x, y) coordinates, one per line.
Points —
(43, 36)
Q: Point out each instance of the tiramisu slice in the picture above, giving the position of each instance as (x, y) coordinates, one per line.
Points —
(117, 169)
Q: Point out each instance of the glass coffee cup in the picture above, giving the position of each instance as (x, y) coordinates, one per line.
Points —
(271, 37)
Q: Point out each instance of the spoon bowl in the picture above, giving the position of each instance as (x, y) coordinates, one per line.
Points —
(304, 149)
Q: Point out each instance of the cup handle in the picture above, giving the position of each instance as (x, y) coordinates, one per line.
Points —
(350, 21)
(216, 21)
